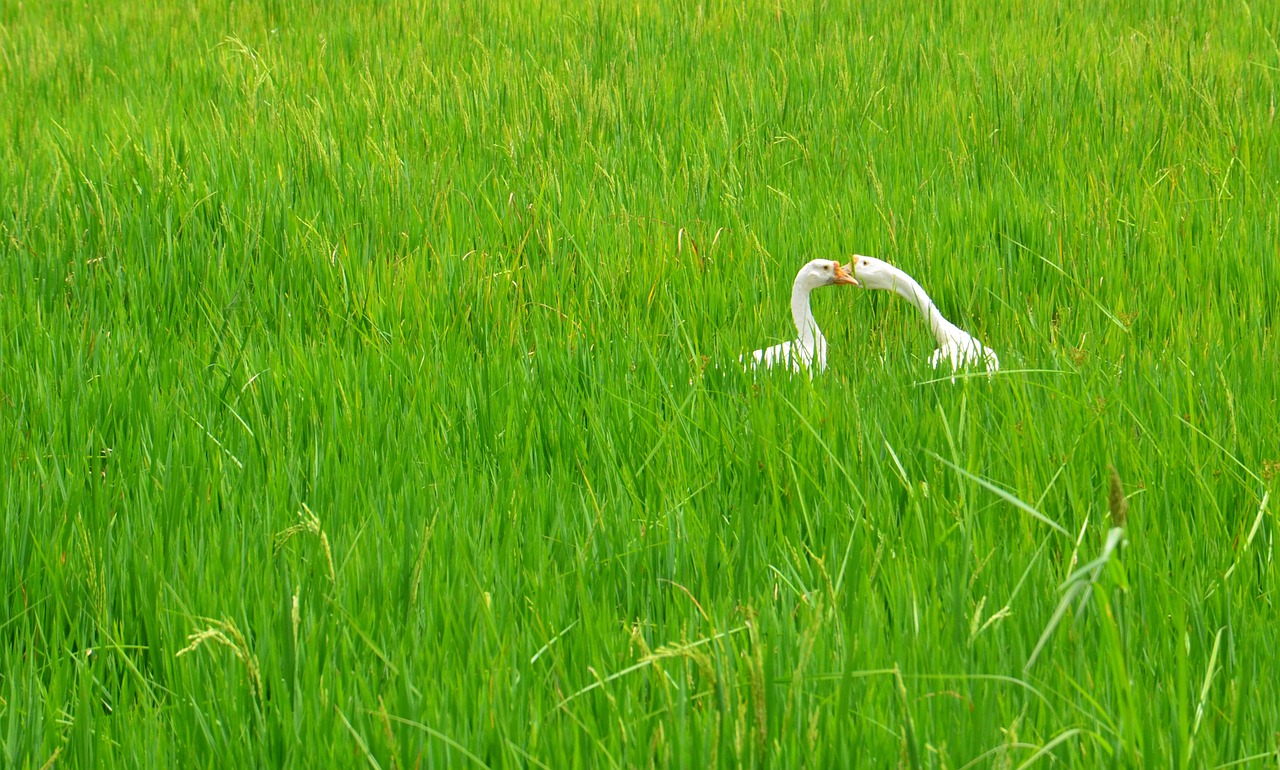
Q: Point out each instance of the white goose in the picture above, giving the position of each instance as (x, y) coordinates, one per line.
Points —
(955, 345)
(809, 350)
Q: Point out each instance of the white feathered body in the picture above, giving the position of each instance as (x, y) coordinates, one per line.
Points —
(956, 346)
(808, 352)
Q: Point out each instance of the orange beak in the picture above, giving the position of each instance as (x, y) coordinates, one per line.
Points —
(843, 277)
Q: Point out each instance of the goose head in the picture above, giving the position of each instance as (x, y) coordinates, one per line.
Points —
(873, 273)
(823, 272)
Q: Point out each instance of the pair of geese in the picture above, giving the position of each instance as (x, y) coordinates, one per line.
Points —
(809, 351)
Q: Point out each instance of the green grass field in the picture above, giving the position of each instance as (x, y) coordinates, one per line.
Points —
(358, 399)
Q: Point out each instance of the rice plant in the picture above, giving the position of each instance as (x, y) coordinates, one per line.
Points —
(369, 389)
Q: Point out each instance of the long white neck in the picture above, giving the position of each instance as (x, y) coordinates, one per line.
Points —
(912, 292)
(811, 339)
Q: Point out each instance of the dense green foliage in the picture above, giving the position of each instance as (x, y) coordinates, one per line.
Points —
(365, 354)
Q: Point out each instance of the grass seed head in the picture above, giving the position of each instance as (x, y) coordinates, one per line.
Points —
(1117, 502)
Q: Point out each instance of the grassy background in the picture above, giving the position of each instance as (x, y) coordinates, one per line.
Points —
(359, 350)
